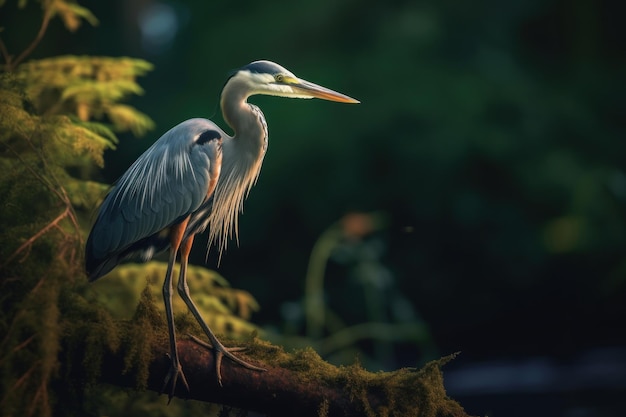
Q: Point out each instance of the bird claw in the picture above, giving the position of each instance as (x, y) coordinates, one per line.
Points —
(174, 372)
(220, 352)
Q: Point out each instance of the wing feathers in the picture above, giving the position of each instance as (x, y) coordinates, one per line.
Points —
(166, 184)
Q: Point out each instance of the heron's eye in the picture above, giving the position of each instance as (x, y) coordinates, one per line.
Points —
(279, 78)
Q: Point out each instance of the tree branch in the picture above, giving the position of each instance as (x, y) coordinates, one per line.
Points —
(296, 384)
(37, 235)
(5, 54)
(42, 30)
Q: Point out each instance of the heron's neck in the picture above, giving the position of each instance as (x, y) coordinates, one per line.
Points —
(242, 156)
(246, 120)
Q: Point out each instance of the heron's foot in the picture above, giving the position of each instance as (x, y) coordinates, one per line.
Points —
(172, 376)
(221, 351)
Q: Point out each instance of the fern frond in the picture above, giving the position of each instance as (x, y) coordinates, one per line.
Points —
(15, 121)
(98, 128)
(72, 14)
(126, 117)
(87, 87)
(85, 194)
(94, 91)
(78, 140)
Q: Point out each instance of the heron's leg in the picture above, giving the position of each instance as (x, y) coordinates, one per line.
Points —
(176, 235)
(216, 345)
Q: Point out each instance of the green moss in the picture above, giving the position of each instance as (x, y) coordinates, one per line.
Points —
(322, 411)
(142, 332)
(405, 392)
(408, 391)
(89, 332)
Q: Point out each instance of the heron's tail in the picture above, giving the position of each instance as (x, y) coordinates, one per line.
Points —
(141, 251)
(97, 268)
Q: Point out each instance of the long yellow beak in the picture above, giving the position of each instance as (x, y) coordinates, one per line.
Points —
(317, 91)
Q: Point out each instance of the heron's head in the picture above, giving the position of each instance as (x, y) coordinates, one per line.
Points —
(269, 78)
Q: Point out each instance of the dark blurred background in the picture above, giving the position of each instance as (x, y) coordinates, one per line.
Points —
(489, 152)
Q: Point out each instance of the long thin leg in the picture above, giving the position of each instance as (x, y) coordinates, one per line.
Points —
(216, 345)
(176, 235)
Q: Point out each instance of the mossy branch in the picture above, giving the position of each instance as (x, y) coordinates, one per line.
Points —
(299, 383)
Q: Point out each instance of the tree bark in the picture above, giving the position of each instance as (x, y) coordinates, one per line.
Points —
(295, 385)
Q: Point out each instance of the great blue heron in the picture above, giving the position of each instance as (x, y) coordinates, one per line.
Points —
(194, 177)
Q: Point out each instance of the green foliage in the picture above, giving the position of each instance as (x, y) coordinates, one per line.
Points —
(225, 309)
(38, 258)
(388, 319)
(145, 327)
(88, 87)
(60, 125)
(71, 13)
